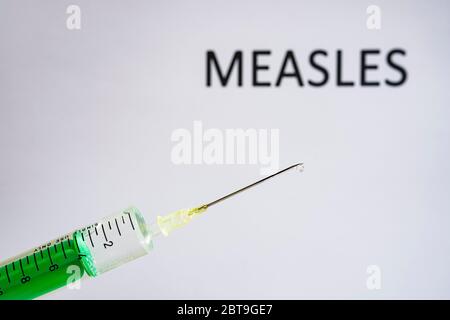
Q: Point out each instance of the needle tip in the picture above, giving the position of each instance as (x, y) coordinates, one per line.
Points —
(300, 166)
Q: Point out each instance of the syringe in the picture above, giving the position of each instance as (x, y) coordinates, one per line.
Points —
(93, 250)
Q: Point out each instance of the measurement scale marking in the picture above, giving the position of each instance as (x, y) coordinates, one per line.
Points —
(50, 256)
(35, 262)
(76, 244)
(104, 233)
(129, 216)
(64, 251)
(21, 267)
(90, 238)
(117, 225)
(7, 274)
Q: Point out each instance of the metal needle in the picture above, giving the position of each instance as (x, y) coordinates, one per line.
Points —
(251, 185)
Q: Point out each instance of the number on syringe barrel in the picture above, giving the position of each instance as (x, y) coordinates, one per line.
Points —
(25, 279)
(108, 244)
(53, 267)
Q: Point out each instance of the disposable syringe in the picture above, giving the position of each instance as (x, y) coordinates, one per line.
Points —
(93, 250)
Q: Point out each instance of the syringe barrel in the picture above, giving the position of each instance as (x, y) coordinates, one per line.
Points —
(113, 241)
(95, 249)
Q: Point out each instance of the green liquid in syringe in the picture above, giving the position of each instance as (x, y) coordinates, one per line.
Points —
(92, 250)
(42, 270)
